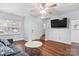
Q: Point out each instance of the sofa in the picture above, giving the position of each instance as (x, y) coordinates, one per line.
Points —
(8, 48)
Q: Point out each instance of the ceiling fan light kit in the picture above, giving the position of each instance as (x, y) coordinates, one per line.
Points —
(46, 7)
(43, 12)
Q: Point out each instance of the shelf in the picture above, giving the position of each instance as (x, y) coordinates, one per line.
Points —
(10, 27)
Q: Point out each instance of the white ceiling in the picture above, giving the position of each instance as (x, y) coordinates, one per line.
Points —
(23, 9)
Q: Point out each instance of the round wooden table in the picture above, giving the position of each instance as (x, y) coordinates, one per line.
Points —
(33, 47)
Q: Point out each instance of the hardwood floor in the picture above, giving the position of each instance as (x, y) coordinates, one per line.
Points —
(49, 48)
(56, 48)
(75, 49)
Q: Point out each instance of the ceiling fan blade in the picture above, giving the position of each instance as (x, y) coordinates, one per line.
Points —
(53, 5)
(51, 8)
(43, 5)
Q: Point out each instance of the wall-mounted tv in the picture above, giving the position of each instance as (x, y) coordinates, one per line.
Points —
(57, 23)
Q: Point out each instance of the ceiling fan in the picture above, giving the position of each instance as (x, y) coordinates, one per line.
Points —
(47, 7)
(42, 8)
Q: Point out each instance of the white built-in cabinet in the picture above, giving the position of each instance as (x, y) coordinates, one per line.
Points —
(9, 26)
(75, 35)
(75, 31)
(60, 35)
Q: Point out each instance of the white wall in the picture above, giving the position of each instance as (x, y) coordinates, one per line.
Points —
(58, 34)
(74, 32)
(33, 27)
(64, 35)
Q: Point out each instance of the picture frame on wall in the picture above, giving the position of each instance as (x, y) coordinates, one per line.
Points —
(74, 24)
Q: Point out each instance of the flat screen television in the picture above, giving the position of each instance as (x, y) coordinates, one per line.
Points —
(57, 23)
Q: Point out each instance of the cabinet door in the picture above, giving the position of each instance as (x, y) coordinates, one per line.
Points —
(53, 34)
(65, 35)
(75, 35)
